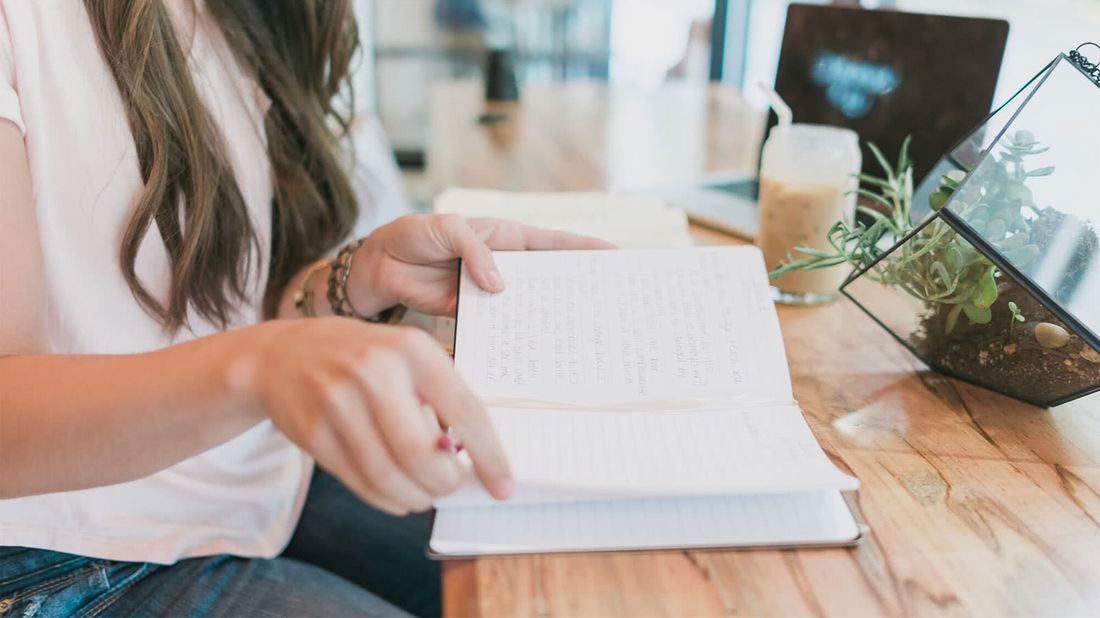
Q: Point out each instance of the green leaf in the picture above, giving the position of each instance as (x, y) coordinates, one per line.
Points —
(996, 229)
(903, 157)
(1021, 193)
(878, 182)
(836, 261)
(938, 198)
(1015, 241)
(1022, 256)
(883, 163)
(954, 257)
(987, 291)
(953, 178)
(870, 212)
(970, 255)
(875, 197)
(977, 315)
(907, 183)
(952, 319)
(940, 271)
(1042, 171)
(1023, 138)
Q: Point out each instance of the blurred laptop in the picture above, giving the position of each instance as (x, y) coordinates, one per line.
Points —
(885, 75)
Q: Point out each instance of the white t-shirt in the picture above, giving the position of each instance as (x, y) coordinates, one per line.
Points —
(242, 497)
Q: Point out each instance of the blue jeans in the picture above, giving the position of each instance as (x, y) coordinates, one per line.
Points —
(345, 559)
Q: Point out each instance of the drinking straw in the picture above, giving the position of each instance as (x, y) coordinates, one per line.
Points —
(782, 110)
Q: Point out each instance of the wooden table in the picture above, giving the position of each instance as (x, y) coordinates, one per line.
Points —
(978, 505)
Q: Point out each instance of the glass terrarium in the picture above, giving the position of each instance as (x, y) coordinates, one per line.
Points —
(1000, 284)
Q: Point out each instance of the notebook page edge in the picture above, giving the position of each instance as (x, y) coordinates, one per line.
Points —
(468, 538)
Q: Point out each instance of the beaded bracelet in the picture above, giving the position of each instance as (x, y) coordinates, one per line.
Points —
(338, 289)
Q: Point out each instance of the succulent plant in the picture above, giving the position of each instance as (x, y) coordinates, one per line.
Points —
(937, 265)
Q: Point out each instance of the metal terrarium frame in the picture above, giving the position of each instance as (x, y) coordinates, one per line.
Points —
(1088, 70)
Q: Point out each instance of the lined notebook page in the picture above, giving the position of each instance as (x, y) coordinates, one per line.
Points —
(667, 327)
(719, 521)
(578, 455)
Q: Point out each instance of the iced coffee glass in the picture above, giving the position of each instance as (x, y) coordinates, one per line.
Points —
(807, 183)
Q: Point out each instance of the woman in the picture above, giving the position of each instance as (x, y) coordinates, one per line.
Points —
(173, 191)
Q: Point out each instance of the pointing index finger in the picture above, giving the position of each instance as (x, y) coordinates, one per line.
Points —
(441, 387)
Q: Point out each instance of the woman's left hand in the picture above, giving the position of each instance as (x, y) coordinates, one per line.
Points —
(413, 260)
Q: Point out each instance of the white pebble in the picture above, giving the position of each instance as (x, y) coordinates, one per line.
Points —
(1051, 335)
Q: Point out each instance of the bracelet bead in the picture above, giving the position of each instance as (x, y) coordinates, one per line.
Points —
(339, 273)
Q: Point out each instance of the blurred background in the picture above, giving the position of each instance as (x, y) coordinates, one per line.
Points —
(413, 44)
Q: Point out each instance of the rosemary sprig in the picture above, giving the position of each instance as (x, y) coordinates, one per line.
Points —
(937, 265)
(860, 245)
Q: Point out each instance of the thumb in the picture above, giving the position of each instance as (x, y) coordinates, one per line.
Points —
(461, 240)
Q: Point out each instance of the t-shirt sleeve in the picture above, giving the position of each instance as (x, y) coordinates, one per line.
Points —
(374, 175)
(9, 96)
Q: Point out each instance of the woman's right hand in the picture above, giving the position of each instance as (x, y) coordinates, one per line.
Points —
(356, 397)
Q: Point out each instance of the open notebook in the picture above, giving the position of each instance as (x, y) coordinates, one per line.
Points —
(644, 400)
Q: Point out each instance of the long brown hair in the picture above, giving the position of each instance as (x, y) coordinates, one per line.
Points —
(299, 51)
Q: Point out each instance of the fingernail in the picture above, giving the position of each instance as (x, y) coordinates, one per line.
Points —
(443, 443)
(502, 489)
(496, 281)
(448, 444)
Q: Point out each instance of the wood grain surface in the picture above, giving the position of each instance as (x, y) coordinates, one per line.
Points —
(978, 505)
